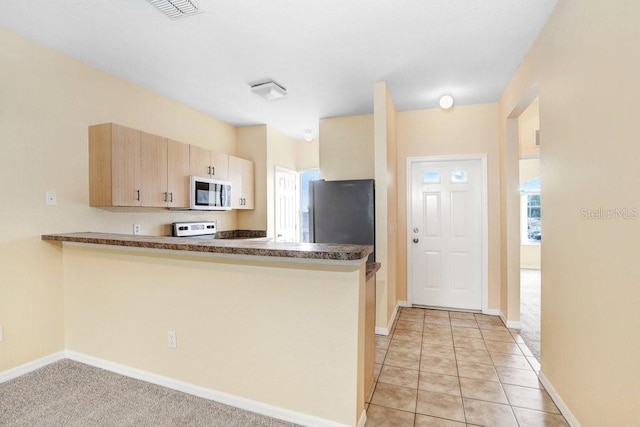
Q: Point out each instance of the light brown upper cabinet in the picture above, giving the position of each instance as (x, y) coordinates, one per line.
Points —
(241, 175)
(206, 163)
(114, 165)
(177, 174)
(153, 170)
(128, 167)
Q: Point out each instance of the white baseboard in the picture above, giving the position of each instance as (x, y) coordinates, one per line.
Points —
(510, 323)
(363, 419)
(491, 312)
(514, 325)
(571, 419)
(225, 398)
(386, 331)
(30, 367)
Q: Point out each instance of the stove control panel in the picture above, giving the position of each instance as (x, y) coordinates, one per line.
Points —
(187, 229)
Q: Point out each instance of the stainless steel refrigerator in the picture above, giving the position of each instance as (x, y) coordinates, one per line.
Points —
(343, 212)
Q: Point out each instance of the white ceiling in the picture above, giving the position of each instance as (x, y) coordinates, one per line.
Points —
(326, 53)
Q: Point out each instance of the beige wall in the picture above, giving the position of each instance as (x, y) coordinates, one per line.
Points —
(528, 122)
(252, 145)
(585, 66)
(48, 101)
(529, 253)
(346, 148)
(436, 132)
(385, 154)
(251, 329)
(308, 156)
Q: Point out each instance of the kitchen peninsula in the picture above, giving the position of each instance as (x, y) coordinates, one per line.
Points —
(277, 328)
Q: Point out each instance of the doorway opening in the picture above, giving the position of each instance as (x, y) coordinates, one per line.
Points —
(531, 226)
(306, 177)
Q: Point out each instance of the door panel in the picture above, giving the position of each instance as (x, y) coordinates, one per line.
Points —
(432, 214)
(446, 234)
(286, 205)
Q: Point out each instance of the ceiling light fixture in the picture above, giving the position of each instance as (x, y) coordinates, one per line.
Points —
(175, 9)
(446, 102)
(308, 135)
(269, 90)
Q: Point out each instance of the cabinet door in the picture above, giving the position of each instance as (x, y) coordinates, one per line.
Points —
(178, 174)
(235, 177)
(241, 177)
(247, 183)
(199, 161)
(220, 166)
(153, 170)
(125, 155)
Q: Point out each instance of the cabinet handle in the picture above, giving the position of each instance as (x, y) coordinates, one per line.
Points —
(213, 170)
(209, 170)
(165, 196)
(138, 195)
(171, 197)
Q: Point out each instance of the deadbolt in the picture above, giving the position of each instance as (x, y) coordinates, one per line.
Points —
(415, 230)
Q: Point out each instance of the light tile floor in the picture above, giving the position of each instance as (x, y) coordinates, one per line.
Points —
(447, 368)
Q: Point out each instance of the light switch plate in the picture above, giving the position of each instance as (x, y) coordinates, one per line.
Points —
(50, 198)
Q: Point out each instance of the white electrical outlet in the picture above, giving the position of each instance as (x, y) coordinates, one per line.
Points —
(50, 198)
(136, 229)
(1, 334)
(171, 339)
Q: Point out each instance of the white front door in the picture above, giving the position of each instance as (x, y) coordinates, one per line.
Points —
(445, 233)
(286, 205)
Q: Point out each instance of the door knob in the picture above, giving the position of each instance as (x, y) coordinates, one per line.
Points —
(415, 240)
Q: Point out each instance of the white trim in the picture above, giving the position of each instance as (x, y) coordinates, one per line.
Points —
(513, 325)
(387, 330)
(363, 418)
(484, 221)
(510, 323)
(218, 396)
(31, 366)
(492, 312)
(566, 412)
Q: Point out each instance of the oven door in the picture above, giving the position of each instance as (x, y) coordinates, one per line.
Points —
(210, 194)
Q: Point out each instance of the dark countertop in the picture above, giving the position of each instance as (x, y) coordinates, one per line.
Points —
(241, 234)
(311, 251)
(372, 268)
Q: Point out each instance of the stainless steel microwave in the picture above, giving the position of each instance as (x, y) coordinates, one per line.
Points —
(209, 194)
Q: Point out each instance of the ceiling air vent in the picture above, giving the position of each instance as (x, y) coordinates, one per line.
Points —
(175, 9)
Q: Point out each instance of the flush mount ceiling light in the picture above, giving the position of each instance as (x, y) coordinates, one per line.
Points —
(308, 135)
(269, 90)
(446, 102)
(175, 9)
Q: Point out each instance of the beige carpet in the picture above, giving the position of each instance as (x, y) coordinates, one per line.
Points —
(530, 309)
(68, 393)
